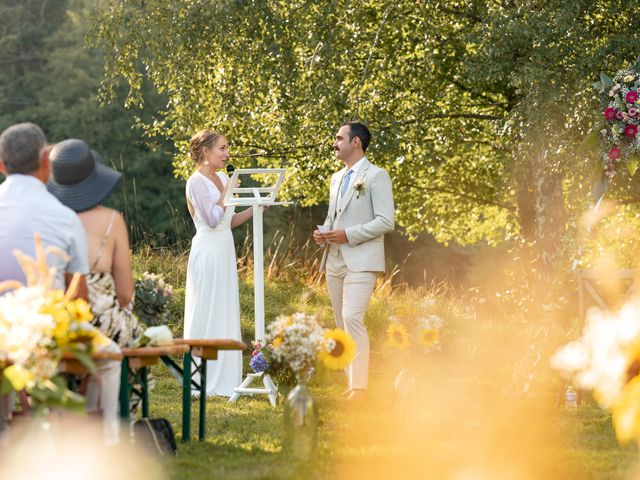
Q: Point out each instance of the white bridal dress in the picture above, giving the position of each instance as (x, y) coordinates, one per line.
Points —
(212, 306)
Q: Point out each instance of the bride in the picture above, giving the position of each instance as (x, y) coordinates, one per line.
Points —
(212, 306)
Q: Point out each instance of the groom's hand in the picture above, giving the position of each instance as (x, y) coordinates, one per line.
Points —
(336, 236)
(318, 237)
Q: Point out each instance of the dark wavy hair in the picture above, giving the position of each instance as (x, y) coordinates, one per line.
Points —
(357, 129)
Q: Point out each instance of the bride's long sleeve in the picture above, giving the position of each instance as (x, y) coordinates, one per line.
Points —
(204, 199)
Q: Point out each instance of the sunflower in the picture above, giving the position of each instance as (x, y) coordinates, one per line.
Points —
(429, 337)
(343, 351)
(397, 335)
(406, 311)
(626, 412)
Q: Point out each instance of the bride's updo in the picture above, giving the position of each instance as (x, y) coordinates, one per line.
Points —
(201, 140)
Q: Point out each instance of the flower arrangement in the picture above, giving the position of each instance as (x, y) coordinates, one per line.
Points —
(618, 131)
(38, 325)
(294, 344)
(264, 360)
(411, 325)
(152, 299)
(606, 360)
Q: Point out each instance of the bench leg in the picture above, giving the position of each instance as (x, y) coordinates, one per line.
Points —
(144, 382)
(125, 390)
(186, 397)
(203, 399)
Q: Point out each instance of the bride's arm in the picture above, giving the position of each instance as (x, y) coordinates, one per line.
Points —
(206, 201)
(240, 218)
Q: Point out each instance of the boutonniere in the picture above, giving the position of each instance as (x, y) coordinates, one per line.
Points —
(358, 186)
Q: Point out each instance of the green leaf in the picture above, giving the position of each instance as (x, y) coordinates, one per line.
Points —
(5, 386)
(632, 165)
(638, 64)
(607, 82)
(85, 359)
(597, 86)
(590, 141)
(600, 187)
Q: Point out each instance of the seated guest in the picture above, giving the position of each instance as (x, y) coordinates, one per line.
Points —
(26, 207)
(81, 181)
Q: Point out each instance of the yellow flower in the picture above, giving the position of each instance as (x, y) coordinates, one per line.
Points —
(79, 310)
(55, 296)
(628, 78)
(277, 342)
(99, 340)
(397, 335)
(429, 337)
(61, 330)
(626, 412)
(406, 311)
(18, 376)
(342, 353)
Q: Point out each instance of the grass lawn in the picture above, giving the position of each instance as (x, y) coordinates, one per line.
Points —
(464, 412)
(437, 431)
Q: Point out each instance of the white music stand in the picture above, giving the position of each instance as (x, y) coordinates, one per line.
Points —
(257, 198)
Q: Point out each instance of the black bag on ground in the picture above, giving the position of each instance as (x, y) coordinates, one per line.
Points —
(155, 435)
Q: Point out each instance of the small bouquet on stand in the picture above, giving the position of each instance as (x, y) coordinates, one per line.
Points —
(152, 299)
(413, 331)
(263, 361)
(292, 347)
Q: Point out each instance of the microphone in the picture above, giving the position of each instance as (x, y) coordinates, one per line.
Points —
(230, 168)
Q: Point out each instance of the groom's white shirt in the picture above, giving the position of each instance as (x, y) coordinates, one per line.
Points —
(365, 215)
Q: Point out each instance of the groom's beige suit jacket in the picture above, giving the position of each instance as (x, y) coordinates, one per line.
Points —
(365, 215)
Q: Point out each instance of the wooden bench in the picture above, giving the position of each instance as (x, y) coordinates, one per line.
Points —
(204, 350)
(141, 359)
(70, 364)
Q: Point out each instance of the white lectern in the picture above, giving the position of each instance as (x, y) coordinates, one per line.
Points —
(257, 198)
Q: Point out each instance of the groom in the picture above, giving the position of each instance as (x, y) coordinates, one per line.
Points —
(361, 211)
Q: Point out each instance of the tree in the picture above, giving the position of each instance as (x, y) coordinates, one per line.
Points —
(50, 78)
(476, 106)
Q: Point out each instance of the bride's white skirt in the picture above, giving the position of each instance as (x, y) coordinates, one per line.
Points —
(212, 306)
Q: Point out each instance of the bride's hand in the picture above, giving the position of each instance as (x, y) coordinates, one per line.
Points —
(224, 194)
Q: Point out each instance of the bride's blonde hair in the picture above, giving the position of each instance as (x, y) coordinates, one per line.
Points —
(201, 140)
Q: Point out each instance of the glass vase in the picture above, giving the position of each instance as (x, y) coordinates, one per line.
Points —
(300, 424)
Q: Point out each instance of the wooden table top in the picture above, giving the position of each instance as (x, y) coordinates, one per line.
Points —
(155, 351)
(218, 343)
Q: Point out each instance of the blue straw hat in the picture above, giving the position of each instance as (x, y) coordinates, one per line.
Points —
(79, 177)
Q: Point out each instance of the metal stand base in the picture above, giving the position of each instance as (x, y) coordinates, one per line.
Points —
(269, 389)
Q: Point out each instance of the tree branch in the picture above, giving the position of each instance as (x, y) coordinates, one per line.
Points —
(464, 88)
(462, 13)
(468, 196)
(373, 47)
(476, 116)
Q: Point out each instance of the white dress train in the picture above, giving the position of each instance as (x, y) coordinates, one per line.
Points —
(212, 305)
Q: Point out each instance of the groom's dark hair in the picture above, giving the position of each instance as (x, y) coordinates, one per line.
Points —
(357, 129)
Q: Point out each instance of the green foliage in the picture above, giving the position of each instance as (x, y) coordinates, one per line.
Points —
(458, 96)
(50, 78)
(291, 72)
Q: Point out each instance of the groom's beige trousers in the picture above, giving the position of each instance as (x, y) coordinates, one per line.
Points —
(350, 293)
